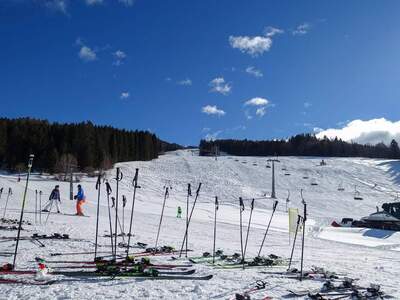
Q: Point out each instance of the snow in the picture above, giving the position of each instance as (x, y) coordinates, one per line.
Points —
(370, 255)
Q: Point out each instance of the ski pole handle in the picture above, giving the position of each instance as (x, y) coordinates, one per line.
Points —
(198, 190)
(108, 188)
(119, 175)
(252, 204)
(189, 190)
(166, 195)
(98, 183)
(241, 204)
(30, 162)
(275, 205)
(135, 178)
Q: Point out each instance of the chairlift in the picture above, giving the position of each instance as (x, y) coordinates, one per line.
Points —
(340, 187)
(314, 182)
(254, 164)
(305, 176)
(244, 162)
(357, 195)
(268, 166)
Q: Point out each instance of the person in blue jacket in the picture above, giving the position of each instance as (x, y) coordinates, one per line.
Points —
(80, 199)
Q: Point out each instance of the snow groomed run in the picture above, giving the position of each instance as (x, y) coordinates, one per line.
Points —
(230, 210)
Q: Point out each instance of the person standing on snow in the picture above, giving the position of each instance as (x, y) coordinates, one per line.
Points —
(179, 213)
(54, 198)
(80, 199)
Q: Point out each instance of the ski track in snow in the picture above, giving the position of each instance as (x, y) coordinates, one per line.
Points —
(371, 255)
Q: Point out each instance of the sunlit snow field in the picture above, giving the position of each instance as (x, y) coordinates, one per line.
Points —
(370, 255)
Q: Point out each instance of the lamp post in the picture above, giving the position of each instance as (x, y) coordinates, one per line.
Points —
(273, 161)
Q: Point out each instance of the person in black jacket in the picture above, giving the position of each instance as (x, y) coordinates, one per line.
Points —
(54, 198)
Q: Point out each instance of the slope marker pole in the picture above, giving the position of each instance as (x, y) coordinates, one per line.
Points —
(30, 163)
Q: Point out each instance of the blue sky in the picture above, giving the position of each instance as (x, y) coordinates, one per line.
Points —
(193, 69)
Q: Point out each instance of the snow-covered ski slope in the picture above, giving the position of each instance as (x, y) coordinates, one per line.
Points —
(371, 255)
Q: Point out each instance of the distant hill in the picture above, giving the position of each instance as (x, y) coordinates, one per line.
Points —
(84, 145)
(300, 145)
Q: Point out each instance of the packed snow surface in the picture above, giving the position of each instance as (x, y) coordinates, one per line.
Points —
(370, 255)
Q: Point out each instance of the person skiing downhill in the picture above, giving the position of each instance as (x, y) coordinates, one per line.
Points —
(54, 198)
(80, 199)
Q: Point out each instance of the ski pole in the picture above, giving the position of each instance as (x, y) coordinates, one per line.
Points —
(109, 191)
(36, 196)
(294, 240)
(98, 188)
(30, 163)
(135, 187)
(123, 214)
(304, 230)
(40, 207)
(190, 217)
(48, 214)
(119, 223)
(118, 178)
(269, 224)
(8, 197)
(241, 209)
(161, 217)
(1, 192)
(215, 226)
(189, 194)
(248, 228)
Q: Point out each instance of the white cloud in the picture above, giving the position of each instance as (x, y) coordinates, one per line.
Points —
(94, 2)
(253, 46)
(125, 95)
(260, 104)
(257, 101)
(253, 71)
(260, 111)
(127, 2)
(317, 130)
(212, 110)
(87, 54)
(271, 31)
(307, 104)
(119, 57)
(186, 82)
(220, 86)
(57, 5)
(366, 132)
(302, 29)
(212, 136)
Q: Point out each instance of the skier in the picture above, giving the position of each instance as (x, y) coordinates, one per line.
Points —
(54, 198)
(179, 213)
(80, 199)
